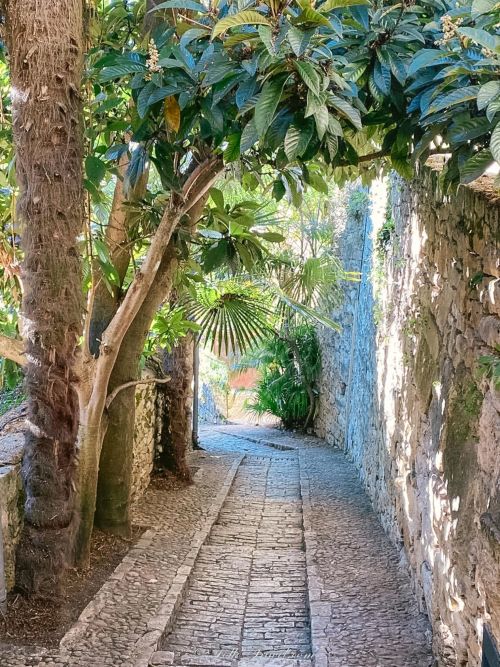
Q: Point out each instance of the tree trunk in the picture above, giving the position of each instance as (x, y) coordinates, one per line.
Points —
(45, 52)
(176, 439)
(115, 468)
(94, 406)
(195, 437)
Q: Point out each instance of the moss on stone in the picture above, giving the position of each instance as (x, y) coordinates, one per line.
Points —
(426, 358)
(460, 450)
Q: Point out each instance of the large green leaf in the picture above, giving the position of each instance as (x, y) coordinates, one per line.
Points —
(144, 97)
(382, 78)
(299, 39)
(267, 104)
(232, 150)
(480, 7)
(495, 143)
(482, 37)
(267, 38)
(249, 136)
(492, 109)
(424, 58)
(487, 93)
(314, 102)
(117, 71)
(346, 110)
(467, 129)
(297, 139)
(334, 127)
(475, 166)
(332, 143)
(311, 16)
(187, 5)
(95, 169)
(322, 118)
(329, 5)
(244, 18)
(309, 75)
(456, 97)
(398, 67)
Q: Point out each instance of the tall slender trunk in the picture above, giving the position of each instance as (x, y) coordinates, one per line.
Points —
(115, 468)
(45, 53)
(195, 437)
(178, 418)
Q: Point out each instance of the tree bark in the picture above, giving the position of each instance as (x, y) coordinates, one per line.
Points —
(176, 439)
(45, 43)
(92, 429)
(115, 468)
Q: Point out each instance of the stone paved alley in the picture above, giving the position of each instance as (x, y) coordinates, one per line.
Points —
(274, 557)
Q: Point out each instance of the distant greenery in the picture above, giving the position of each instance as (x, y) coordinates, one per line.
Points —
(288, 367)
(11, 398)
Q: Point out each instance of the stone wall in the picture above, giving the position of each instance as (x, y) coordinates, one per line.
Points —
(11, 501)
(402, 395)
(147, 414)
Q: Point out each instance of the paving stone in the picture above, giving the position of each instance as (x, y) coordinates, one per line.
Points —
(295, 566)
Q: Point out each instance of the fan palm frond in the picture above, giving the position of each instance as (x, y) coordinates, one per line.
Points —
(232, 316)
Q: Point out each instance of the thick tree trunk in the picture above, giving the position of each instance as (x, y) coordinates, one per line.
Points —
(176, 439)
(45, 52)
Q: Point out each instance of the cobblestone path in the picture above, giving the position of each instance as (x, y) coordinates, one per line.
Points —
(273, 557)
(248, 593)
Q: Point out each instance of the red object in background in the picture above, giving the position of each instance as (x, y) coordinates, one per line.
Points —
(245, 380)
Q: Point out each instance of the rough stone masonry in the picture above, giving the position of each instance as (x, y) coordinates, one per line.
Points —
(401, 392)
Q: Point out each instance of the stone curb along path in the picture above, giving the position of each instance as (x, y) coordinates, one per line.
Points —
(314, 585)
(165, 616)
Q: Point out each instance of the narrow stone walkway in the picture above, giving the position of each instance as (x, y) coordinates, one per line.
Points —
(273, 557)
(248, 591)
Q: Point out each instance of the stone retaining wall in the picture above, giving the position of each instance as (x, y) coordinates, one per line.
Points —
(402, 395)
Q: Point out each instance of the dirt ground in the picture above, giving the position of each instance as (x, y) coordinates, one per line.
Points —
(44, 622)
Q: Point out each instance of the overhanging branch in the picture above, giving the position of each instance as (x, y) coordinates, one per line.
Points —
(133, 383)
(13, 349)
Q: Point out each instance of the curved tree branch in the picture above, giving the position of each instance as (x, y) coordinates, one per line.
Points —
(13, 349)
(133, 383)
